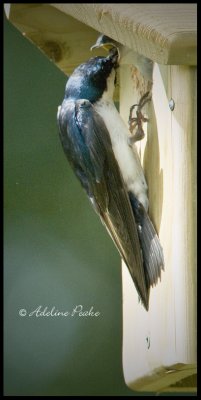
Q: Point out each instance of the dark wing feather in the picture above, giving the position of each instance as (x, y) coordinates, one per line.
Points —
(150, 244)
(82, 129)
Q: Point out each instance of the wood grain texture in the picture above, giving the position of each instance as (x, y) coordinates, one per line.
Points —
(166, 33)
(63, 39)
(166, 335)
(175, 378)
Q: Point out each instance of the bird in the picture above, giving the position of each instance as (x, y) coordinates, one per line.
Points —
(128, 56)
(95, 140)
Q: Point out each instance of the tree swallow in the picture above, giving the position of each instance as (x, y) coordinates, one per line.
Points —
(95, 140)
(128, 56)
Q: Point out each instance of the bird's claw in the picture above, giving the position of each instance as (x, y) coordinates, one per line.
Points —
(137, 121)
(139, 135)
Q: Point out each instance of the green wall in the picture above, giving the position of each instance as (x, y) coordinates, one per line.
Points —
(57, 253)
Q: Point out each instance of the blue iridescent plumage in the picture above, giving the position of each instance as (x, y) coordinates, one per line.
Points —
(88, 126)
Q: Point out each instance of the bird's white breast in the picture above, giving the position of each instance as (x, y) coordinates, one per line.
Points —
(127, 157)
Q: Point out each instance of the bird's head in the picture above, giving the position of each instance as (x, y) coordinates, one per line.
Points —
(94, 78)
(106, 43)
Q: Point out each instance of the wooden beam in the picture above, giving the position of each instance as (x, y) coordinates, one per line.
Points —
(63, 39)
(166, 334)
(176, 378)
(165, 33)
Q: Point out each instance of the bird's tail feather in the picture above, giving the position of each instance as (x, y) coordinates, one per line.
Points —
(152, 251)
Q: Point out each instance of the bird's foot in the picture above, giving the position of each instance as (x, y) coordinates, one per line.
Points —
(138, 120)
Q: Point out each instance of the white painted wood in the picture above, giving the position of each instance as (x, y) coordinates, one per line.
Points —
(165, 335)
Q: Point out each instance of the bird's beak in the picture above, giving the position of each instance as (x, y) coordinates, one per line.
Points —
(108, 45)
(105, 46)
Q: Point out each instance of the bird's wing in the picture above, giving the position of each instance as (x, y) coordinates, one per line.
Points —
(87, 144)
(151, 248)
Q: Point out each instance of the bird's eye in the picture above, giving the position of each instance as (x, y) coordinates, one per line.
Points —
(84, 104)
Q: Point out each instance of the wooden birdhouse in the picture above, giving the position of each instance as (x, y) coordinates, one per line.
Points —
(159, 346)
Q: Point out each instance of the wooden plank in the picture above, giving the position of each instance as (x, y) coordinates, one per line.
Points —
(169, 379)
(165, 33)
(166, 335)
(153, 30)
(63, 39)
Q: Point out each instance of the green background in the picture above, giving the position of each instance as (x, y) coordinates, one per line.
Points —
(57, 253)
